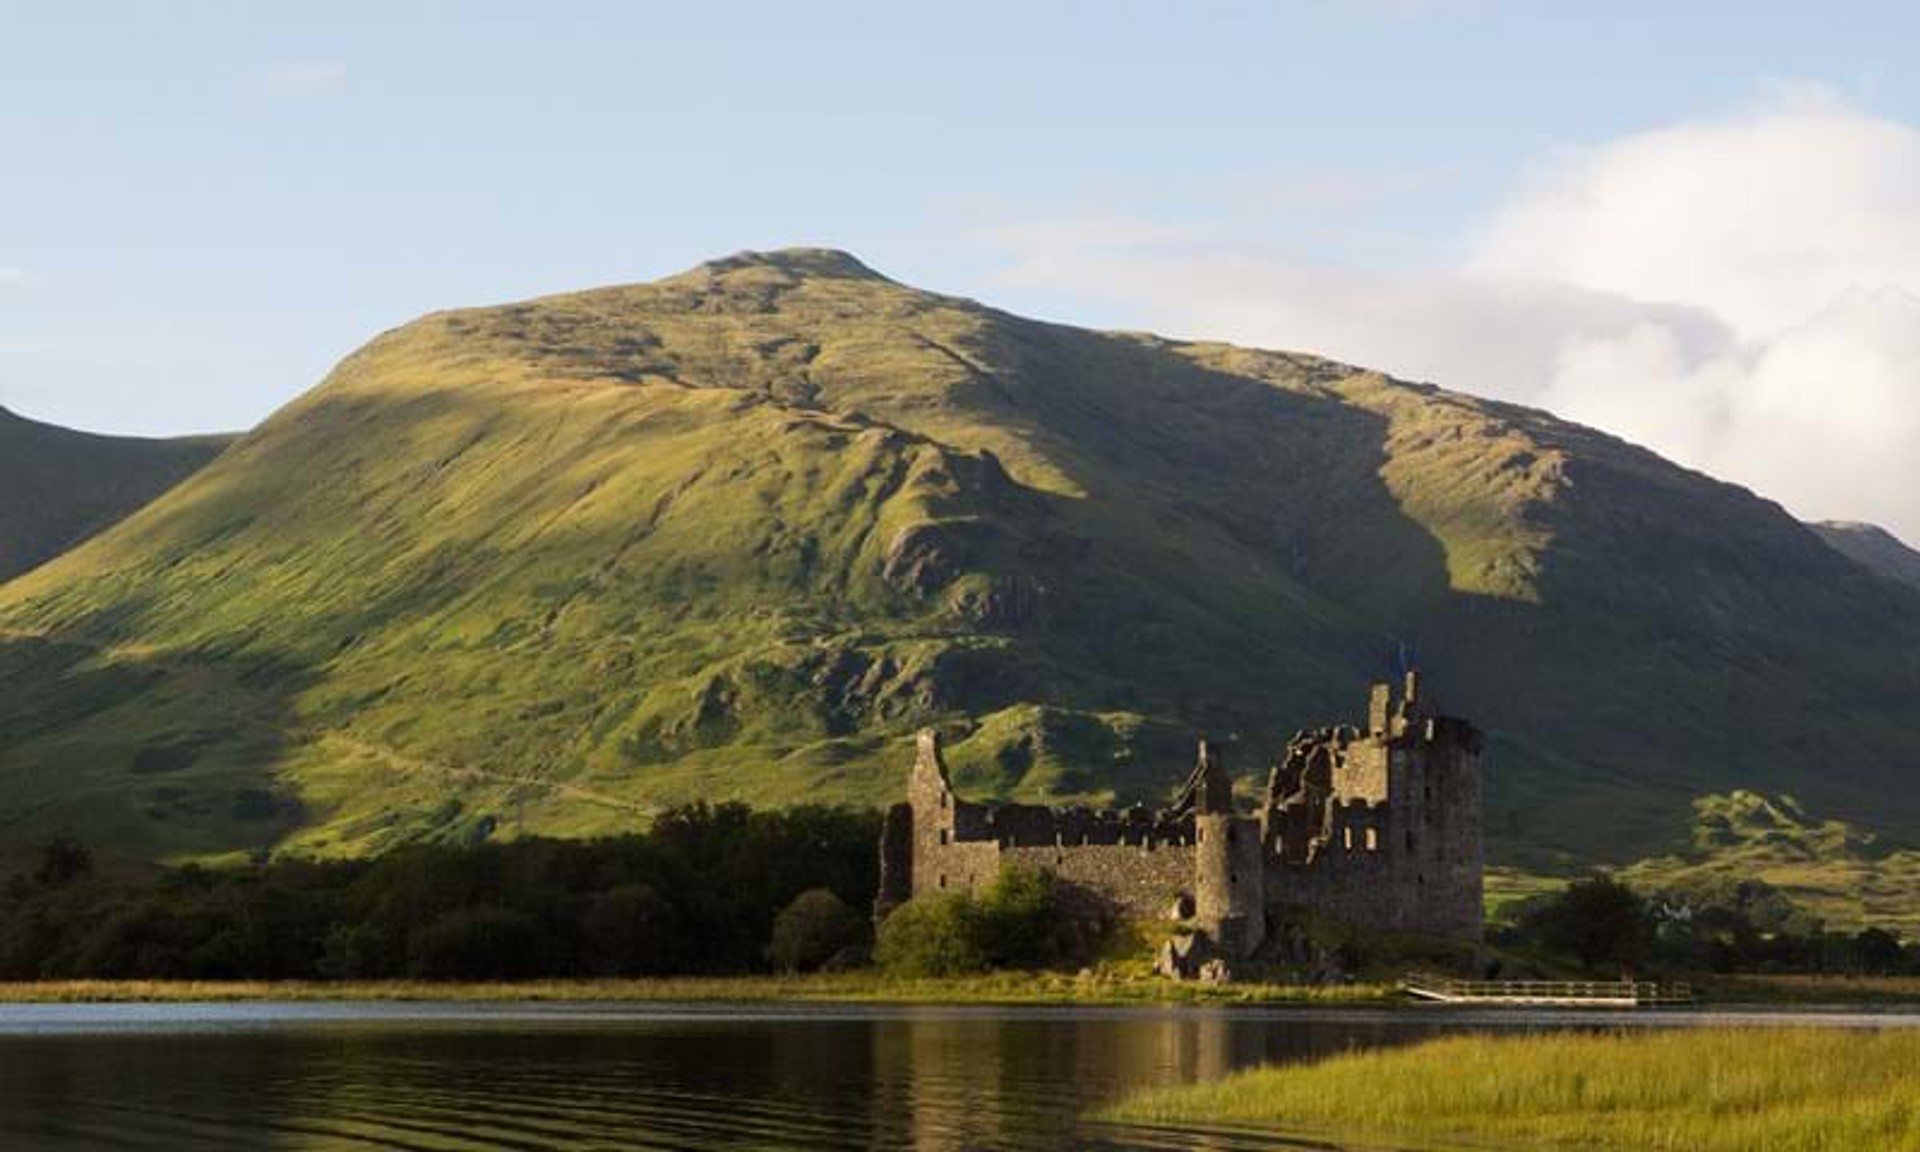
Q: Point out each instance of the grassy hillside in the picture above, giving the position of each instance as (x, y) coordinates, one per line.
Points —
(1839, 872)
(58, 487)
(737, 533)
(1875, 547)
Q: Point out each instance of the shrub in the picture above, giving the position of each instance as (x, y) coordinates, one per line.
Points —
(1025, 920)
(932, 936)
(812, 930)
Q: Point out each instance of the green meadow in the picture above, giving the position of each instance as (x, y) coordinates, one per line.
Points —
(1687, 1090)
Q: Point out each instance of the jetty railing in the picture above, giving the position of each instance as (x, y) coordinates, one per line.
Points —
(1553, 993)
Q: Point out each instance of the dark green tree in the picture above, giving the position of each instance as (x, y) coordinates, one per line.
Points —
(811, 930)
(1599, 921)
(62, 861)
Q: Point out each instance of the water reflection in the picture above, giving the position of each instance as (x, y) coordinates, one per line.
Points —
(450, 1078)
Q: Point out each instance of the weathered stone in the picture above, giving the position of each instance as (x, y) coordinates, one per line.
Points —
(1379, 828)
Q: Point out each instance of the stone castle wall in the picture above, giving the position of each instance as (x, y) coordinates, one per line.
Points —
(1379, 828)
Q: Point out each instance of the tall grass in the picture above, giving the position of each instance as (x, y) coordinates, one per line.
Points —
(1781, 1090)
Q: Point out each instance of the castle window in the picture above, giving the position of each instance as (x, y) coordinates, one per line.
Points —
(1199, 835)
(1346, 836)
(1373, 840)
(943, 799)
(1232, 879)
(943, 835)
(943, 879)
(1409, 841)
(1229, 833)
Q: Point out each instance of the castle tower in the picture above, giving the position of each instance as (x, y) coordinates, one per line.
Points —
(913, 831)
(1229, 881)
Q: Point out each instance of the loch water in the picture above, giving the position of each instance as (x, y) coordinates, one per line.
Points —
(444, 1077)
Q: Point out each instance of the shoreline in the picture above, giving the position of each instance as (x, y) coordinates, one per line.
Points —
(1009, 989)
(1763, 993)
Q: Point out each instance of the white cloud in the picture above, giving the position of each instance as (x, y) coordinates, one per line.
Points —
(1766, 218)
(1741, 294)
(305, 76)
(12, 275)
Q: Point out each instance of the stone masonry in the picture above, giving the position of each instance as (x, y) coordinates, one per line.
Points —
(1378, 827)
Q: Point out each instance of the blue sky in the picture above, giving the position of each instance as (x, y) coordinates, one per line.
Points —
(203, 206)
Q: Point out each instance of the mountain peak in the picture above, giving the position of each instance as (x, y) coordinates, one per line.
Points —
(825, 263)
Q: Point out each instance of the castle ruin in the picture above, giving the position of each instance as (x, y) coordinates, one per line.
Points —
(1378, 827)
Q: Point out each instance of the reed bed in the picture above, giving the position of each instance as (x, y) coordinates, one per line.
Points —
(1695, 1090)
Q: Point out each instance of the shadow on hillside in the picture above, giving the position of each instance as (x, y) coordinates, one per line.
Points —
(1658, 662)
(143, 756)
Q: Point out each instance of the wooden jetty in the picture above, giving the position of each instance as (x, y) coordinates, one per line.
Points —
(1547, 993)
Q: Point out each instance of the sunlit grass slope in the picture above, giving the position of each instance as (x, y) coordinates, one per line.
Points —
(735, 534)
(58, 487)
(1701, 1091)
(1838, 871)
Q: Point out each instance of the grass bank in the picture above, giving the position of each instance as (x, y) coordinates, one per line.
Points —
(1721, 1090)
(868, 987)
(1876, 990)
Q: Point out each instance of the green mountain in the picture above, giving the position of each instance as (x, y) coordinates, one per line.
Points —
(1875, 547)
(58, 487)
(551, 566)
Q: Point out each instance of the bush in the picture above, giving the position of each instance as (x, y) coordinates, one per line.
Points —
(1025, 920)
(812, 930)
(932, 936)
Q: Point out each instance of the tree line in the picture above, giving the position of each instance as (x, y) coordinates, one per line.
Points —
(1724, 926)
(701, 892)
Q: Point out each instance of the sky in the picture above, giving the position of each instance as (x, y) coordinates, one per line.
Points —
(1693, 225)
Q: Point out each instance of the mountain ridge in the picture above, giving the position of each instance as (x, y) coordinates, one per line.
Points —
(59, 486)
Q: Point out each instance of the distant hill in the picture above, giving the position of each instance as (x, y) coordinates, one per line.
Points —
(1875, 547)
(58, 487)
(735, 534)
(1838, 872)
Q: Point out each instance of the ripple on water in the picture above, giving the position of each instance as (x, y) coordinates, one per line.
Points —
(446, 1078)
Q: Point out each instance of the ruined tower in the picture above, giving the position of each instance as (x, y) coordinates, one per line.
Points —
(1229, 880)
